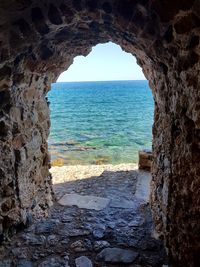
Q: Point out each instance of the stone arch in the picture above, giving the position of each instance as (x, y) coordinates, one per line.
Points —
(39, 39)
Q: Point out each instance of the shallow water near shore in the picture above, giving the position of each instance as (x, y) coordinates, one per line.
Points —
(99, 122)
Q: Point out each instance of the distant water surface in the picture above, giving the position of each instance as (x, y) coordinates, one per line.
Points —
(100, 122)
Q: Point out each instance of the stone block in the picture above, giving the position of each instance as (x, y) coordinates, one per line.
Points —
(145, 159)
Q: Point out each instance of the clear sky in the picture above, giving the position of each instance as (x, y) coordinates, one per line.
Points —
(105, 62)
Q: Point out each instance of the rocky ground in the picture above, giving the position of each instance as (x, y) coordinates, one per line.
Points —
(101, 219)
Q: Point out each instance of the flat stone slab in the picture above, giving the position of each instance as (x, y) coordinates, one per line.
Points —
(84, 202)
(117, 255)
(83, 261)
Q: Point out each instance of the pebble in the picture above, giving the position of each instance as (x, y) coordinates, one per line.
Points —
(78, 246)
(83, 261)
(101, 244)
(20, 253)
(121, 223)
(45, 227)
(52, 240)
(53, 262)
(117, 255)
(66, 219)
(69, 231)
(65, 241)
(111, 225)
(34, 240)
(138, 221)
(24, 263)
(78, 232)
(6, 263)
(98, 233)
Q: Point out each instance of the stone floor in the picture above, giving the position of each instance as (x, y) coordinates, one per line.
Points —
(100, 221)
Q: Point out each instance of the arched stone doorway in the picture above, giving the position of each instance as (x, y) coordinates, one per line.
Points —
(39, 39)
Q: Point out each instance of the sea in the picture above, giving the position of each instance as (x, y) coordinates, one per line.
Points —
(100, 122)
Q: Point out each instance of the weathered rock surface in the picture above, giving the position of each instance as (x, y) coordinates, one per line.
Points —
(39, 39)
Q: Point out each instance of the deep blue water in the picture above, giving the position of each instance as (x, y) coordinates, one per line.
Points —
(100, 122)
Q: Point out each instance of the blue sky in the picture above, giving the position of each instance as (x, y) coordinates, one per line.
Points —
(106, 62)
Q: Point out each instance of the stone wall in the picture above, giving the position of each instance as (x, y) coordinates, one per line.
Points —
(39, 39)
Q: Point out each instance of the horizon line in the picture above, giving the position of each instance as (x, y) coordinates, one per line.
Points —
(101, 81)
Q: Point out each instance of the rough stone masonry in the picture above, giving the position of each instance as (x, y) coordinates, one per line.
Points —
(39, 39)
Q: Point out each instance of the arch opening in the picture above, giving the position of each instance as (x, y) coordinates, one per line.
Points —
(101, 110)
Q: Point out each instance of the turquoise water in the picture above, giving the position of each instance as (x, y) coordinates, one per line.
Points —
(100, 122)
